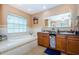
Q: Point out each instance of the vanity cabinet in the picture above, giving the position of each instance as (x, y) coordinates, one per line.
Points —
(43, 39)
(61, 42)
(68, 44)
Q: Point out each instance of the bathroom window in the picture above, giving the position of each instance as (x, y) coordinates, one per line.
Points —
(61, 20)
(16, 23)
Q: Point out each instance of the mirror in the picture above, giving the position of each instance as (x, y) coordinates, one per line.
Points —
(61, 20)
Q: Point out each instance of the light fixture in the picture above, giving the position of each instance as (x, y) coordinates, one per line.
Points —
(30, 9)
(35, 20)
(44, 7)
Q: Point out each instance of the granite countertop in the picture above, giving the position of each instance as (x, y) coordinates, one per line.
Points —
(67, 33)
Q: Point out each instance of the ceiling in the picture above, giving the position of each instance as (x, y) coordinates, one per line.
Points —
(33, 8)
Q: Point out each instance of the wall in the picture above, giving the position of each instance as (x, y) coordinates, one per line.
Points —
(55, 11)
(6, 9)
(0, 13)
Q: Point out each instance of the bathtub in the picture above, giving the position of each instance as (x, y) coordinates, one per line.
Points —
(18, 45)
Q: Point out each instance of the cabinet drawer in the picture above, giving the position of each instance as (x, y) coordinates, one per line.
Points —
(74, 38)
(60, 36)
(43, 34)
(43, 37)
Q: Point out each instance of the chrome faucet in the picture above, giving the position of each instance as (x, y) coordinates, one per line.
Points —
(3, 37)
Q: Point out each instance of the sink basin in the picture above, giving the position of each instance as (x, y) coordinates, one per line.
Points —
(67, 33)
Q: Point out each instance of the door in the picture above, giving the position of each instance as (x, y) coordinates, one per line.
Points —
(73, 45)
(60, 43)
(43, 39)
(46, 41)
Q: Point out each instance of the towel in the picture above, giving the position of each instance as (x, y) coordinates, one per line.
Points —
(52, 41)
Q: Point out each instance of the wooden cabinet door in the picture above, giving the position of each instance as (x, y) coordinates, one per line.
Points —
(46, 41)
(43, 39)
(60, 42)
(40, 41)
(73, 45)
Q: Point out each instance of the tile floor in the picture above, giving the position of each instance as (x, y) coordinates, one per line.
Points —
(37, 51)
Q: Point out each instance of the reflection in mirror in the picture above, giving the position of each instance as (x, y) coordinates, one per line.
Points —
(46, 22)
(61, 20)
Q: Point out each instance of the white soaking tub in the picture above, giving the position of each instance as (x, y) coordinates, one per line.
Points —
(18, 45)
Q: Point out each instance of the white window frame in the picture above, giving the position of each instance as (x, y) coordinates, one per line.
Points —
(19, 27)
